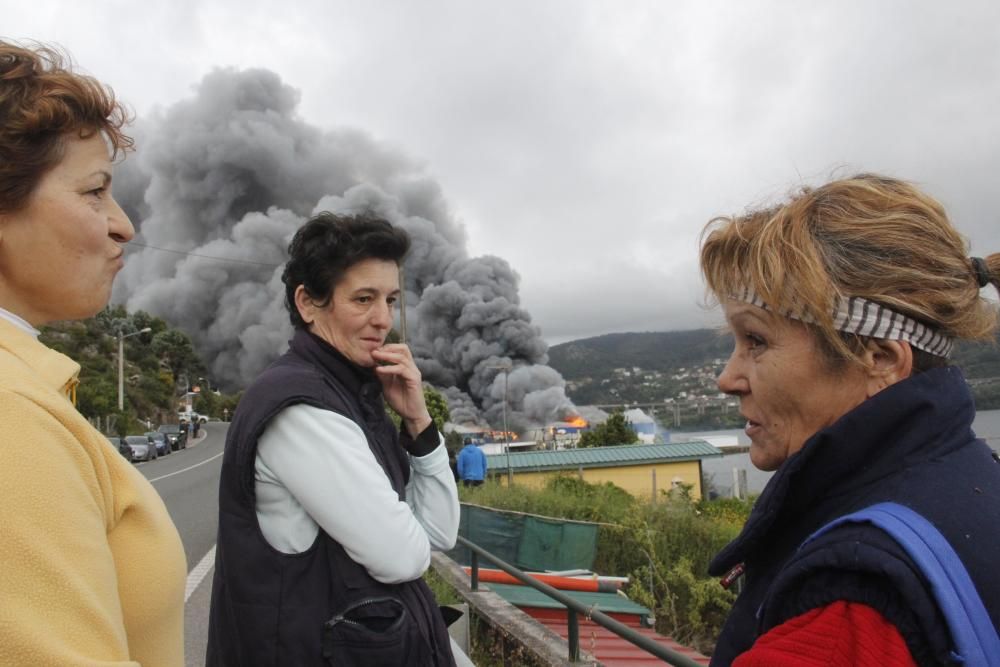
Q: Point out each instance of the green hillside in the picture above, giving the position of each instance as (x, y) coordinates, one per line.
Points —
(653, 366)
(159, 367)
(661, 350)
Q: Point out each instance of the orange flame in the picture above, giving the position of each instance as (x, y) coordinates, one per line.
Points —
(577, 422)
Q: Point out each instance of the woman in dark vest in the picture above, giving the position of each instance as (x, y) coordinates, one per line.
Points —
(844, 304)
(327, 514)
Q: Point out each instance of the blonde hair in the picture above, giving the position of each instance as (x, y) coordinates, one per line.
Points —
(866, 236)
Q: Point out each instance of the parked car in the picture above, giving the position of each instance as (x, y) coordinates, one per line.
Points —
(143, 448)
(160, 440)
(121, 446)
(175, 436)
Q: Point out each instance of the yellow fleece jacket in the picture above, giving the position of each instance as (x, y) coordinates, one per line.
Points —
(92, 570)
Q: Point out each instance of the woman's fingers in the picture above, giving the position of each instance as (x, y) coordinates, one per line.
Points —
(394, 353)
(400, 360)
(401, 381)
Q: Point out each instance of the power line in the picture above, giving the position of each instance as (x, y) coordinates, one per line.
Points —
(195, 254)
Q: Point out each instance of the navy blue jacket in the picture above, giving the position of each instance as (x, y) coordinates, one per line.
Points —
(317, 607)
(472, 463)
(911, 443)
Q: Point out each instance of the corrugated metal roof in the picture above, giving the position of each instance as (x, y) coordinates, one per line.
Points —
(610, 649)
(600, 457)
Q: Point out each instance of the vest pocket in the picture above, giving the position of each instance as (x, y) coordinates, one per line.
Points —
(374, 631)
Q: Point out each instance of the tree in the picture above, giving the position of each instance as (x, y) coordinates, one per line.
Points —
(437, 406)
(228, 403)
(141, 320)
(126, 423)
(207, 403)
(453, 442)
(98, 396)
(175, 349)
(615, 431)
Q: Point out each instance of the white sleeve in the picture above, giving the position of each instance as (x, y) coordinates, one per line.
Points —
(433, 496)
(323, 459)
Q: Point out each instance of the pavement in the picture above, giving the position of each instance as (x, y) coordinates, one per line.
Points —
(188, 482)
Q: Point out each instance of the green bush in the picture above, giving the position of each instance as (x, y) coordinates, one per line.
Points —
(729, 510)
(564, 496)
(688, 608)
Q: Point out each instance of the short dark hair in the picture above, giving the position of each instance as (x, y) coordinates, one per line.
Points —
(42, 102)
(329, 244)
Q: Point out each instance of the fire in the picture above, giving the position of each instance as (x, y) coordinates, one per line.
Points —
(577, 422)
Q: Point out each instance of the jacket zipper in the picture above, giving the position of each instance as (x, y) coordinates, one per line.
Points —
(342, 618)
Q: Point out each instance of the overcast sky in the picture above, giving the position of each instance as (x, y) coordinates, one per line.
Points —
(587, 143)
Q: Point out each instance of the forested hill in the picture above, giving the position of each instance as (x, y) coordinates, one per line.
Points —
(656, 350)
(589, 365)
(160, 365)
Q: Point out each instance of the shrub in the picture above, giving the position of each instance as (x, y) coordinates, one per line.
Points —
(664, 547)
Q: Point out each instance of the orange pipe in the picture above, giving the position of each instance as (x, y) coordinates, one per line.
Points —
(592, 585)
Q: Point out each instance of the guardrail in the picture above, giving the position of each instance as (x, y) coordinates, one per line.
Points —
(573, 608)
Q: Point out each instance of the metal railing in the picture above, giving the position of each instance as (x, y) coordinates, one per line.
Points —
(573, 609)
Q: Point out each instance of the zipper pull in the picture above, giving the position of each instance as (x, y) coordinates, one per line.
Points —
(730, 577)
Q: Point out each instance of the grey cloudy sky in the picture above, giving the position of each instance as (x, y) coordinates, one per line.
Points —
(585, 142)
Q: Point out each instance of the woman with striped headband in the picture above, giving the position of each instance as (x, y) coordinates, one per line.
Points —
(844, 304)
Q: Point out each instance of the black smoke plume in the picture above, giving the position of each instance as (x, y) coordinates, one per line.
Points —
(219, 184)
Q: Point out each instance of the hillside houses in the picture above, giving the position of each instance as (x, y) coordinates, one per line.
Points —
(634, 384)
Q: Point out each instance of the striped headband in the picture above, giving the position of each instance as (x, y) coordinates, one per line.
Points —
(866, 318)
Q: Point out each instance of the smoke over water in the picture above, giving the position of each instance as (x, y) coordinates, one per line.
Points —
(219, 185)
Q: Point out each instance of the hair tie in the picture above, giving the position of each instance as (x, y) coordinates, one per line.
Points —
(980, 271)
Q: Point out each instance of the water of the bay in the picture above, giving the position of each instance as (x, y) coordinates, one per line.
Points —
(719, 470)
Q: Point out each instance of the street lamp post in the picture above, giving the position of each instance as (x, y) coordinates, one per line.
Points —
(121, 364)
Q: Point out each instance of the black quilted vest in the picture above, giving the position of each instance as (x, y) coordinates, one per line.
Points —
(911, 443)
(318, 607)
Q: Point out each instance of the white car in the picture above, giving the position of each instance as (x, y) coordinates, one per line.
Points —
(192, 417)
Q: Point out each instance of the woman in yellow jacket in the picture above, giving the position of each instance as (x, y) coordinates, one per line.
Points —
(92, 567)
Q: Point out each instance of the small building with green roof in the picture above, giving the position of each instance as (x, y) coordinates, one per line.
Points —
(642, 470)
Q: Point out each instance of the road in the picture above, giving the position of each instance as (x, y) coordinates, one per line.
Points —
(188, 482)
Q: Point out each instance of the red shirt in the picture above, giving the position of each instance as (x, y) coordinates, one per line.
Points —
(842, 634)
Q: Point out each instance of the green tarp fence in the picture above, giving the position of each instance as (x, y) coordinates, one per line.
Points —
(527, 541)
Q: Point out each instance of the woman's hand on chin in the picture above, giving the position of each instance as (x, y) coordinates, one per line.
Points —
(402, 386)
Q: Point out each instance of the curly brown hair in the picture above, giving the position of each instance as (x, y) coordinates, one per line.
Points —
(866, 236)
(41, 102)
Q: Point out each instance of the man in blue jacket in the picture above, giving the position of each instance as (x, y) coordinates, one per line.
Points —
(471, 465)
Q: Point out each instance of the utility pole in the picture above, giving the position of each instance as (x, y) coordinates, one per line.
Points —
(506, 444)
(121, 364)
(506, 435)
